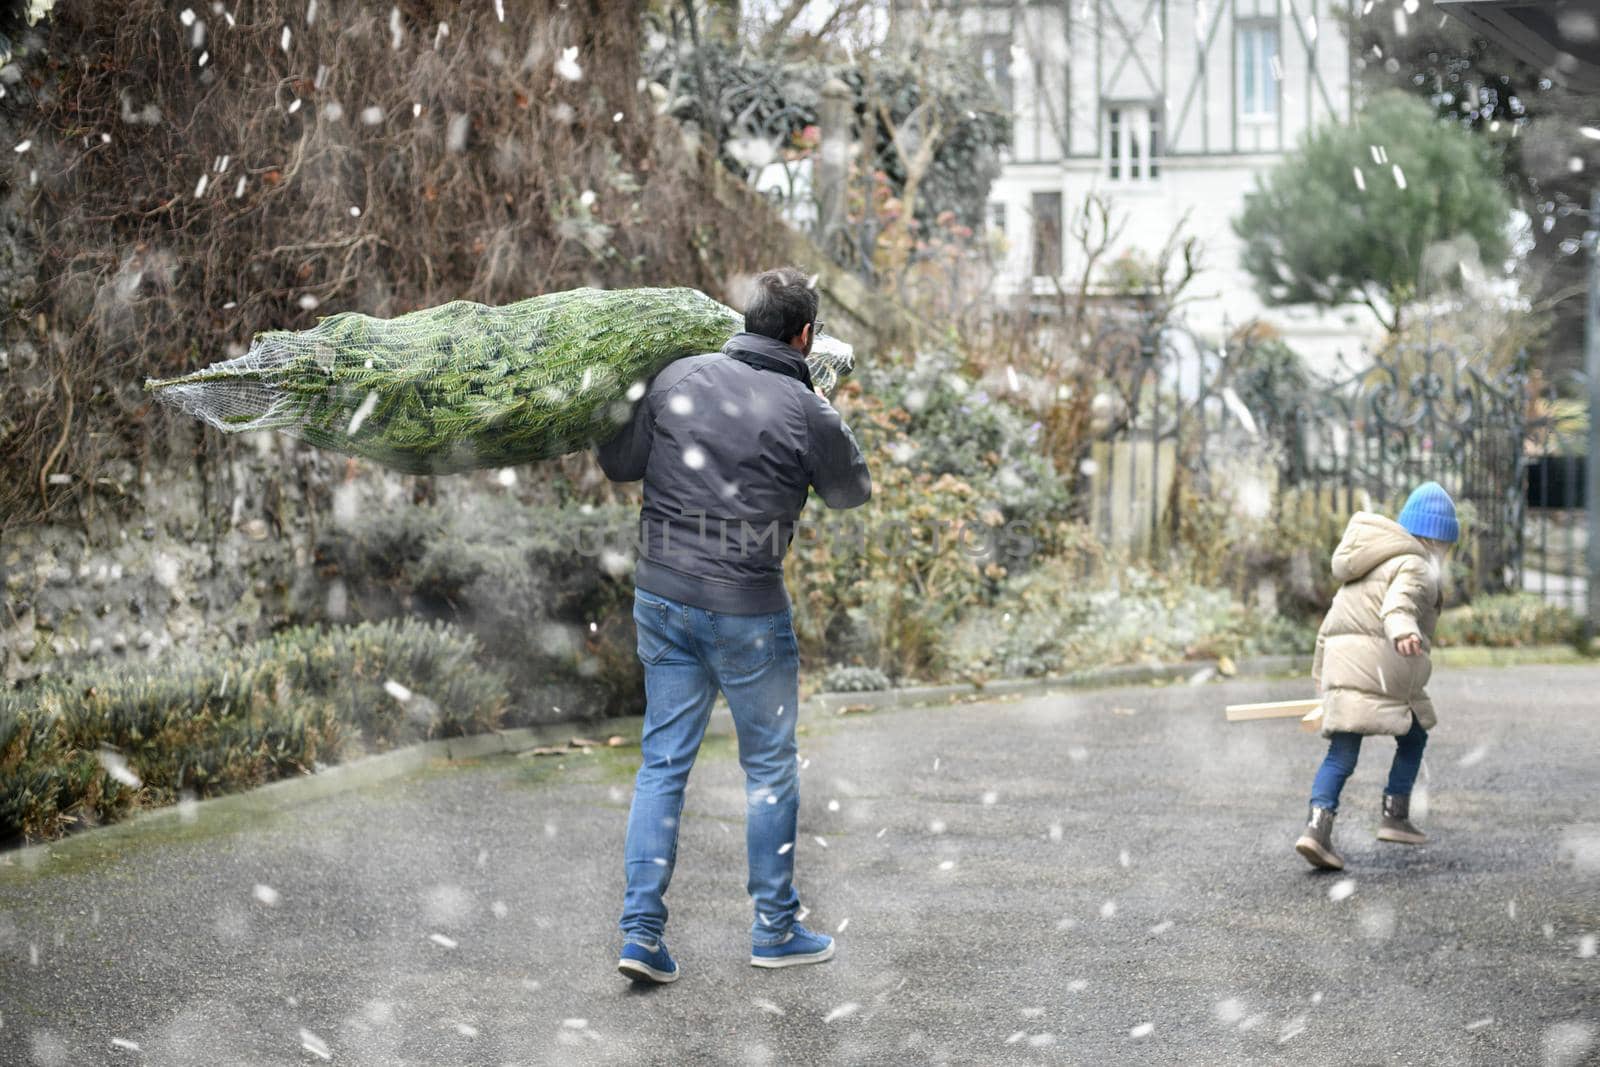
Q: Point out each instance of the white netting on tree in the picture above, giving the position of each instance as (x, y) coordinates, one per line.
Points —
(464, 386)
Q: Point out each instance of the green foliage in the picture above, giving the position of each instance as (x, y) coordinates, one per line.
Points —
(962, 497)
(462, 385)
(1051, 620)
(526, 579)
(950, 426)
(843, 679)
(1313, 235)
(1510, 620)
(231, 720)
(739, 95)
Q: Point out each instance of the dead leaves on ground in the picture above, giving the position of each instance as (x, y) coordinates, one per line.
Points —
(579, 745)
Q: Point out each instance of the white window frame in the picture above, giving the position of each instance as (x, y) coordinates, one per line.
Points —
(1252, 57)
(1059, 236)
(1131, 146)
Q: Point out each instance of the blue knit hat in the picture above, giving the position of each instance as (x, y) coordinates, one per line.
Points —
(1429, 512)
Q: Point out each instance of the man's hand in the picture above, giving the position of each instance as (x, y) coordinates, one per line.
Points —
(1409, 645)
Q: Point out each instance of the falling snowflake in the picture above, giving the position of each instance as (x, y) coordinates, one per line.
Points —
(455, 138)
(1341, 889)
(567, 66)
(288, 36)
(314, 1044)
(442, 941)
(117, 768)
(1229, 1011)
(266, 895)
(368, 403)
(843, 1011)
(1142, 1030)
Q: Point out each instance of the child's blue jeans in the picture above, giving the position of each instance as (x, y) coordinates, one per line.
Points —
(1345, 749)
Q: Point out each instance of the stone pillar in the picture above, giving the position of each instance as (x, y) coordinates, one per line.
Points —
(833, 158)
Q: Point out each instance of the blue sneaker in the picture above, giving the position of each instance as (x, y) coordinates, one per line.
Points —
(800, 947)
(648, 964)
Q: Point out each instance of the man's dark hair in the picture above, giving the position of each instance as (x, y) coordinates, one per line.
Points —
(783, 303)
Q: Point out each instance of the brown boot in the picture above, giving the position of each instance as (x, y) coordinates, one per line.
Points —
(1397, 825)
(1316, 843)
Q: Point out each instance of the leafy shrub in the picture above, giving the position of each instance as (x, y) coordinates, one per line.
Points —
(544, 589)
(228, 721)
(951, 426)
(843, 679)
(1509, 621)
(962, 498)
(1050, 621)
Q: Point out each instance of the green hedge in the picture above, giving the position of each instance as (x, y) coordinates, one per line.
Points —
(1510, 620)
(231, 720)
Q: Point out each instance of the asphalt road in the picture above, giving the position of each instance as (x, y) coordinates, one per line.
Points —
(1086, 877)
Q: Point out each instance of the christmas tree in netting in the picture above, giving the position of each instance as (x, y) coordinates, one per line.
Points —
(465, 386)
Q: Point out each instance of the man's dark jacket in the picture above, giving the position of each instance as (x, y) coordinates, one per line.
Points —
(728, 445)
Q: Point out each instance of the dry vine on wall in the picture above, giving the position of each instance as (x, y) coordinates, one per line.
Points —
(197, 174)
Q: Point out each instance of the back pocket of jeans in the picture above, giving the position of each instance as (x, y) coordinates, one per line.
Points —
(745, 643)
(650, 619)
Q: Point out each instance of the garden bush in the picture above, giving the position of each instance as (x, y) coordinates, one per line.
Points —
(1052, 621)
(1509, 620)
(77, 751)
(843, 679)
(546, 590)
(944, 458)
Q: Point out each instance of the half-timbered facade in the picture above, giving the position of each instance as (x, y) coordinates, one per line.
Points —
(1170, 108)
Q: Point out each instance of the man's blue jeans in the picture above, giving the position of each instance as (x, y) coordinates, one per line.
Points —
(688, 655)
(1343, 751)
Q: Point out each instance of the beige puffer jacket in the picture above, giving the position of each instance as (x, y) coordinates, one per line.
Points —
(1391, 589)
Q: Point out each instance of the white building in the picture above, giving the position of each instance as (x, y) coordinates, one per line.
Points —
(1166, 107)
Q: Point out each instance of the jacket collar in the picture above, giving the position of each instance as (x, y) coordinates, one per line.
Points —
(766, 353)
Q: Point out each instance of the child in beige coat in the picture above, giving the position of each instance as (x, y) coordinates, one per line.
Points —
(1372, 664)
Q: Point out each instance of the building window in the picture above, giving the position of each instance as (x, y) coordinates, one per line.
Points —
(1258, 71)
(994, 54)
(997, 218)
(1133, 142)
(1046, 235)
